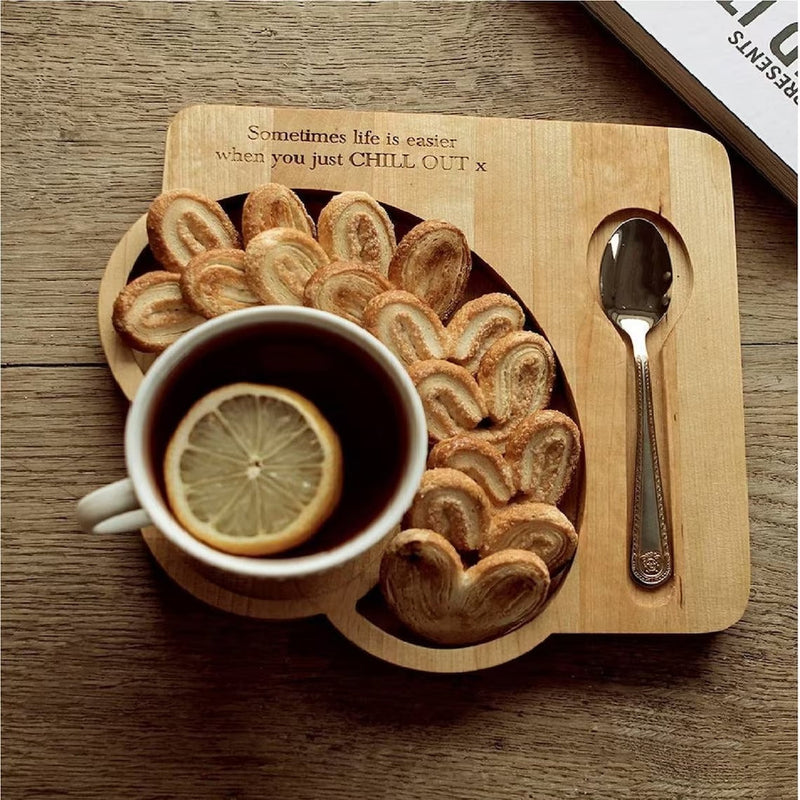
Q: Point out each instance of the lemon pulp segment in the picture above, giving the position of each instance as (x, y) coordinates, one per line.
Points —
(253, 469)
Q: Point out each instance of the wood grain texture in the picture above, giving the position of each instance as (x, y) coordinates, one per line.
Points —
(83, 135)
(107, 662)
(116, 683)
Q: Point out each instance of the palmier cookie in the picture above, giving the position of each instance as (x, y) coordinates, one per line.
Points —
(452, 504)
(354, 226)
(345, 289)
(182, 223)
(278, 264)
(479, 460)
(150, 313)
(496, 434)
(451, 398)
(538, 527)
(479, 323)
(427, 587)
(214, 283)
(433, 261)
(543, 451)
(408, 327)
(516, 375)
(274, 205)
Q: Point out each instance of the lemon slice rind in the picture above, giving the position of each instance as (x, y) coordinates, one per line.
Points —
(253, 469)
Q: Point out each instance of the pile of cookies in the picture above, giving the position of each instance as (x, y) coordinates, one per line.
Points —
(280, 256)
(484, 535)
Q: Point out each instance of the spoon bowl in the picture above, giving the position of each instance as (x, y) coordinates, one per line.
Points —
(636, 272)
(635, 286)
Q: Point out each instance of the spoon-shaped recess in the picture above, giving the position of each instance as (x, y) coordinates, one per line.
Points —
(635, 282)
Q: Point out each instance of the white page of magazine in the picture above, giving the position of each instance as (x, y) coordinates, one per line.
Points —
(744, 52)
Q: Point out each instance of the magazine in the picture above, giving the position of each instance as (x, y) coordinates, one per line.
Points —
(734, 62)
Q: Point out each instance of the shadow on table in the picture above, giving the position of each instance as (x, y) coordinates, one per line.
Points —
(316, 665)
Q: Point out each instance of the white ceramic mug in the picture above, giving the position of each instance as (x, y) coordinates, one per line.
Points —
(357, 383)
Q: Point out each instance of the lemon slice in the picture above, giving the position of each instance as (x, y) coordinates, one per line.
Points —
(253, 469)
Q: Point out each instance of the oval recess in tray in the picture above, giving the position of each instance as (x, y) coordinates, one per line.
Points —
(372, 608)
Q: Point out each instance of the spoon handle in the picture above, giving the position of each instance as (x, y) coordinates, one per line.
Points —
(651, 553)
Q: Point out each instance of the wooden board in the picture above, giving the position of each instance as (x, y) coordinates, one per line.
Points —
(537, 201)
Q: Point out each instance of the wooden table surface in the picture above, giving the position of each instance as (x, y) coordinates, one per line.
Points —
(117, 684)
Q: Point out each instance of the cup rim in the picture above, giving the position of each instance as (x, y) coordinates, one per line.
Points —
(292, 566)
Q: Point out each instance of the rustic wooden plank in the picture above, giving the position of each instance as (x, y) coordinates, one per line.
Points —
(108, 667)
(89, 90)
(119, 685)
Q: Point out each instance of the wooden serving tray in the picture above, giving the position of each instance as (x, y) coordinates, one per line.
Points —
(537, 201)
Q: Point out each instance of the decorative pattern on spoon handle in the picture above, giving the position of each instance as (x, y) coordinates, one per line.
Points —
(651, 556)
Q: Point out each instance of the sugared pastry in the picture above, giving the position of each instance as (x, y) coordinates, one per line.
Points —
(538, 527)
(452, 504)
(433, 261)
(424, 582)
(516, 375)
(478, 459)
(354, 226)
(479, 323)
(451, 397)
(214, 283)
(150, 313)
(182, 223)
(344, 288)
(408, 327)
(274, 205)
(278, 263)
(543, 451)
(496, 434)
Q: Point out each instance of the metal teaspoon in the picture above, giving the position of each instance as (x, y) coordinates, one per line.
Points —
(635, 281)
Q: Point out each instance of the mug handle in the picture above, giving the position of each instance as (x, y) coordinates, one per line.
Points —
(112, 509)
